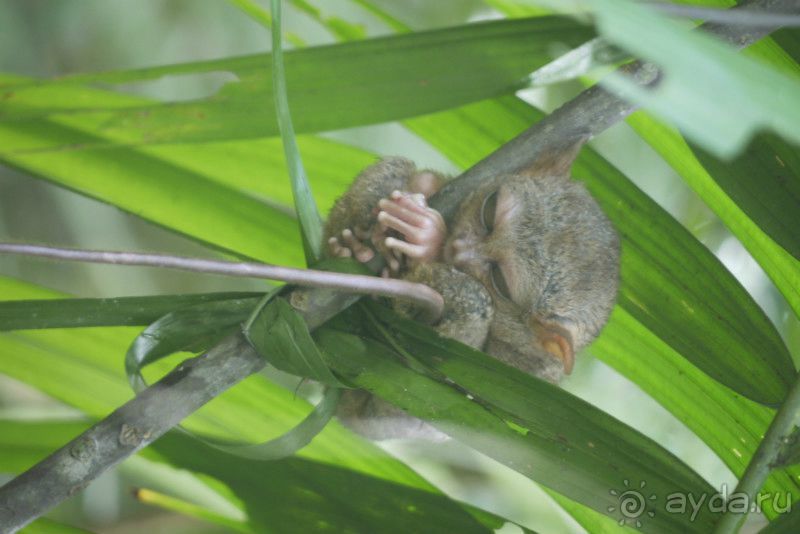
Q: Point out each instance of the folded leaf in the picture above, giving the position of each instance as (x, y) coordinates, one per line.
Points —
(281, 336)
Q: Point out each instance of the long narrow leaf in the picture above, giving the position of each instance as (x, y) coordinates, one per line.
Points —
(119, 311)
(703, 80)
(224, 208)
(304, 204)
(84, 368)
(286, 496)
(331, 87)
(548, 435)
(764, 181)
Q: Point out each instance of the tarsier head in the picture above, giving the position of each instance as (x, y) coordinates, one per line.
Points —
(548, 256)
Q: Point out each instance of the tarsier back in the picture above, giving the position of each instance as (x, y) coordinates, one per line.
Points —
(528, 268)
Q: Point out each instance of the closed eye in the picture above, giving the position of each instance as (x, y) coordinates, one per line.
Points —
(499, 281)
(488, 211)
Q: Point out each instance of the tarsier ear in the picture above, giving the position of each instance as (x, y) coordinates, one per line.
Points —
(558, 342)
(556, 160)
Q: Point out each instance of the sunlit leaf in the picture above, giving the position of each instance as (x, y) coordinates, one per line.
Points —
(304, 204)
(23, 443)
(84, 368)
(180, 506)
(118, 311)
(336, 86)
(780, 266)
(530, 425)
(189, 190)
(764, 181)
(289, 495)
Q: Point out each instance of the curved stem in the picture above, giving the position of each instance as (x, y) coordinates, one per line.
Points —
(429, 300)
(764, 459)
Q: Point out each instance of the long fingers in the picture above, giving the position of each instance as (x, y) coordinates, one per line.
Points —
(361, 252)
(410, 214)
(409, 249)
(395, 223)
(337, 250)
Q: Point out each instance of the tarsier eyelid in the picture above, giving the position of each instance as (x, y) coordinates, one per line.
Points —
(499, 281)
(488, 211)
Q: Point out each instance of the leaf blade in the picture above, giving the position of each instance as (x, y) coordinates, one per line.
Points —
(304, 204)
(332, 87)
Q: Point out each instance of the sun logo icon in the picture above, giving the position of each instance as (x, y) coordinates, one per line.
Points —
(631, 504)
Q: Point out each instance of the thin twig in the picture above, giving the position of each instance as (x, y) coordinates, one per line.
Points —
(421, 295)
(188, 387)
(764, 460)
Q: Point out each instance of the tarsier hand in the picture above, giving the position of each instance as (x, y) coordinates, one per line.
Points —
(423, 228)
(407, 214)
(351, 245)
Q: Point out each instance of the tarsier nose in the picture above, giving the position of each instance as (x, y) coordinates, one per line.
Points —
(461, 252)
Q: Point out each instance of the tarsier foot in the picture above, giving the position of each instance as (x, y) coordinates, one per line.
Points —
(337, 250)
(351, 245)
(393, 258)
(422, 228)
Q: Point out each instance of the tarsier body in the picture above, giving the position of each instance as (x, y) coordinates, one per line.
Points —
(528, 267)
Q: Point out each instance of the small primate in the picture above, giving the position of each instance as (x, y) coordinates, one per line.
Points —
(528, 269)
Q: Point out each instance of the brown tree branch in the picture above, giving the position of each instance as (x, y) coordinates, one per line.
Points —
(196, 381)
(590, 113)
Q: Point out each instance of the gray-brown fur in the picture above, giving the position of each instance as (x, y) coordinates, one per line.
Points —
(560, 260)
(565, 254)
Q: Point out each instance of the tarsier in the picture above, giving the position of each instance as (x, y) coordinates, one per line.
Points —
(528, 268)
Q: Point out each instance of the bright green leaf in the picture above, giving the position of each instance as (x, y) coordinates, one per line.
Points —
(118, 311)
(180, 506)
(530, 425)
(304, 205)
(780, 266)
(764, 181)
(227, 181)
(338, 86)
(281, 336)
(84, 368)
